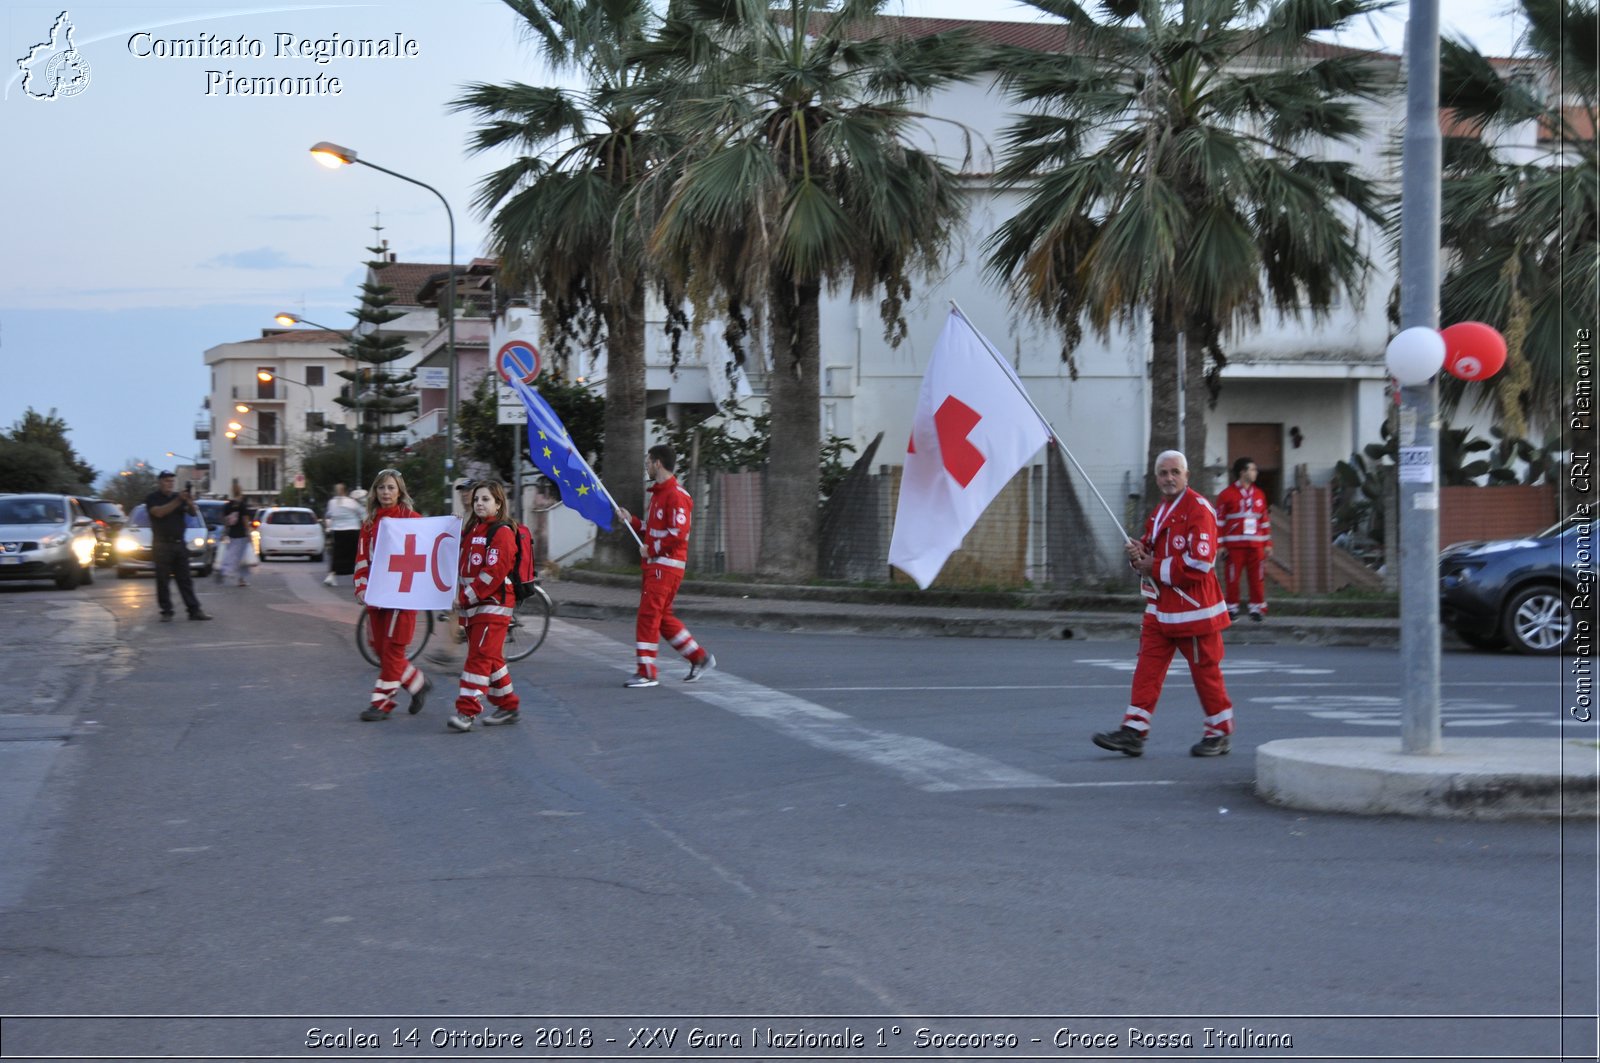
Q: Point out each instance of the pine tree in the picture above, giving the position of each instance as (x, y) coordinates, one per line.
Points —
(377, 392)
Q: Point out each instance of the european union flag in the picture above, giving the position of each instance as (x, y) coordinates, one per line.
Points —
(552, 450)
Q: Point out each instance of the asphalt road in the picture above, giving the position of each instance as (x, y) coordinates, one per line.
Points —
(829, 833)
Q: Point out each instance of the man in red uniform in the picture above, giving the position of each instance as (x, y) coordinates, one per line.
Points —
(1184, 611)
(1246, 538)
(665, 532)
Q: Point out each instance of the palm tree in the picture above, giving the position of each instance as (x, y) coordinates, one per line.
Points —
(1520, 227)
(1172, 170)
(799, 176)
(565, 217)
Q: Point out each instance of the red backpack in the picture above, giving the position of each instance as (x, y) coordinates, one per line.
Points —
(522, 574)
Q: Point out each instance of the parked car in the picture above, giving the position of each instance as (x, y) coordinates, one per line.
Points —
(108, 518)
(1517, 592)
(133, 545)
(288, 530)
(46, 537)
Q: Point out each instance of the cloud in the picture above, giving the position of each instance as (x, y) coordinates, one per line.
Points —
(256, 258)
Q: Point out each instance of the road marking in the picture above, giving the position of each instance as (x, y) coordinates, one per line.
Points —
(925, 764)
(1379, 710)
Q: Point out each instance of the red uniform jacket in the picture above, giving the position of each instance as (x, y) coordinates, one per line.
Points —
(369, 541)
(665, 530)
(1242, 514)
(1182, 589)
(485, 571)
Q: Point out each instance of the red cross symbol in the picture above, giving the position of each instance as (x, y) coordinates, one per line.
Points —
(954, 421)
(408, 563)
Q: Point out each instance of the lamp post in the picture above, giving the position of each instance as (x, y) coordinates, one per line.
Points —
(334, 156)
(295, 319)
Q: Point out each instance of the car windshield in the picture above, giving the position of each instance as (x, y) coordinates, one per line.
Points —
(1560, 527)
(32, 511)
(291, 516)
(141, 519)
(108, 511)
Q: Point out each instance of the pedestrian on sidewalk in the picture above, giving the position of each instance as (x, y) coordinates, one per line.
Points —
(663, 557)
(344, 515)
(168, 511)
(1246, 539)
(1184, 611)
(485, 602)
(389, 631)
(236, 517)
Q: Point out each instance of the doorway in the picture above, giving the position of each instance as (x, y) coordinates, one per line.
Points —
(1263, 444)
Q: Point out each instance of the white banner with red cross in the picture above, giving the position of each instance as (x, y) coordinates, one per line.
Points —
(415, 563)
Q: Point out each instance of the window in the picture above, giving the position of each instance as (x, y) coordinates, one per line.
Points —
(291, 516)
(267, 427)
(266, 474)
(316, 421)
(266, 389)
(314, 376)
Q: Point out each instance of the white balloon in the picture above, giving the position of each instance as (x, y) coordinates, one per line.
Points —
(1415, 355)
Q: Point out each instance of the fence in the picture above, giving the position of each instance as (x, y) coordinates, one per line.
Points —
(1047, 530)
(1044, 529)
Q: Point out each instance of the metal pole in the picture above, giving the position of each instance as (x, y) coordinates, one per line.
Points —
(1419, 306)
(450, 327)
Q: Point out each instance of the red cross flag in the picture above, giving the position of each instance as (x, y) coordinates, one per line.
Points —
(414, 563)
(973, 429)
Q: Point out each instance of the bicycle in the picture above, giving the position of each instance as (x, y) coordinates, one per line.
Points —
(530, 623)
(419, 638)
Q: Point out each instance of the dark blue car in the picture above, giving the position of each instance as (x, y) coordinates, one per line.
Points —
(1535, 595)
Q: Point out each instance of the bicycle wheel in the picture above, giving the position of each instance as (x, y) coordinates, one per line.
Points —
(529, 625)
(419, 637)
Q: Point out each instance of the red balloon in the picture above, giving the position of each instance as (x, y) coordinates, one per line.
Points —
(1473, 351)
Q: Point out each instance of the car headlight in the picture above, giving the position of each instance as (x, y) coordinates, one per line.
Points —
(127, 544)
(198, 542)
(1459, 573)
(53, 540)
(83, 549)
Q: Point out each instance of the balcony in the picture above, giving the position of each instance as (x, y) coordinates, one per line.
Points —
(428, 425)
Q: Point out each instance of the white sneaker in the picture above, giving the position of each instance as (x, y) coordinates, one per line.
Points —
(639, 682)
(327, 581)
(700, 668)
(458, 722)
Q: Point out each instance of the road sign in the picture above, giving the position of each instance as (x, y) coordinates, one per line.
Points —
(299, 481)
(433, 376)
(517, 360)
(510, 409)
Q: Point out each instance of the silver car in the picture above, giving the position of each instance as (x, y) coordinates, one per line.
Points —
(133, 544)
(46, 537)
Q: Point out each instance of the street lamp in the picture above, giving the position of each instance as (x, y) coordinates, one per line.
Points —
(334, 156)
(287, 319)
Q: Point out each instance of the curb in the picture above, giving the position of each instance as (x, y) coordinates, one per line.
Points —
(1474, 778)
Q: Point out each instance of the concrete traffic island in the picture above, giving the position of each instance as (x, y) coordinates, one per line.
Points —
(1474, 778)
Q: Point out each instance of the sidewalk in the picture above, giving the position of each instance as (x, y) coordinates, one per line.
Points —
(1488, 778)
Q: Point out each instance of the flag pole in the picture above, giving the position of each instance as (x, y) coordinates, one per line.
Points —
(520, 386)
(1054, 437)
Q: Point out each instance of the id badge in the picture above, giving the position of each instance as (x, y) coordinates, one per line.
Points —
(1250, 525)
(1147, 587)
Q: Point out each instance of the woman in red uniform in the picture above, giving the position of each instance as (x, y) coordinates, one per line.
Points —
(485, 603)
(388, 630)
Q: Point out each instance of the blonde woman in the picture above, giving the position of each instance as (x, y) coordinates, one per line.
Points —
(388, 630)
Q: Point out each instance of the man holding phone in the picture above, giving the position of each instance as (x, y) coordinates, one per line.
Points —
(167, 510)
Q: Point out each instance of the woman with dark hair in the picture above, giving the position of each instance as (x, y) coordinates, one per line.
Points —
(485, 604)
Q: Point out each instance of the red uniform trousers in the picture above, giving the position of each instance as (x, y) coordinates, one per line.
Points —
(485, 674)
(1204, 654)
(661, 584)
(389, 632)
(1250, 560)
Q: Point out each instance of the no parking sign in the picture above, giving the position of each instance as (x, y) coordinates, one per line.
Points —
(517, 360)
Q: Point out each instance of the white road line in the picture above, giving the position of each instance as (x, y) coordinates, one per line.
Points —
(1238, 682)
(923, 763)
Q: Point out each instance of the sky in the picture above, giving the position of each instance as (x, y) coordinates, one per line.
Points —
(158, 212)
